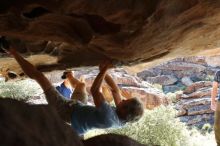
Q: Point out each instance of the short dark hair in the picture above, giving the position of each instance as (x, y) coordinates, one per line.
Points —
(134, 110)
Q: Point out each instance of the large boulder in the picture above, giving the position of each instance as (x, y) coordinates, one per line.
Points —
(201, 60)
(196, 86)
(186, 103)
(213, 61)
(151, 98)
(173, 88)
(182, 66)
(198, 120)
(199, 93)
(194, 105)
(194, 77)
(147, 73)
(162, 80)
(23, 124)
(186, 81)
(182, 69)
(111, 140)
(199, 110)
(185, 70)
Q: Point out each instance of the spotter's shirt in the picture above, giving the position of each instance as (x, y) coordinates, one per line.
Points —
(86, 117)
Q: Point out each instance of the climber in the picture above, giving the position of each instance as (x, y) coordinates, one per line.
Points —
(215, 105)
(81, 116)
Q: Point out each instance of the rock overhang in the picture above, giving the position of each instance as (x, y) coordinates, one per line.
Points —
(75, 33)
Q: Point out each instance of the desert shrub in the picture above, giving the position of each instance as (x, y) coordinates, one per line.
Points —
(209, 78)
(158, 86)
(160, 127)
(157, 127)
(173, 96)
(198, 138)
(206, 128)
(20, 90)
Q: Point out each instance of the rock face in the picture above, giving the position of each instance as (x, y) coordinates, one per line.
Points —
(22, 124)
(151, 98)
(162, 80)
(198, 120)
(111, 140)
(194, 105)
(184, 72)
(194, 77)
(196, 86)
(186, 81)
(83, 33)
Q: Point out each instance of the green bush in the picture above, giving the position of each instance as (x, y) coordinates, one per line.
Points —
(198, 139)
(20, 90)
(173, 96)
(209, 78)
(157, 127)
(160, 127)
(158, 86)
(206, 128)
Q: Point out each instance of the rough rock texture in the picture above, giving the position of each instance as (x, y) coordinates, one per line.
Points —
(194, 87)
(162, 80)
(35, 125)
(199, 93)
(82, 33)
(194, 104)
(186, 81)
(150, 96)
(198, 120)
(111, 140)
(185, 71)
(194, 77)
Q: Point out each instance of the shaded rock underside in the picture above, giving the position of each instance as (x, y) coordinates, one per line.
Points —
(73, 33)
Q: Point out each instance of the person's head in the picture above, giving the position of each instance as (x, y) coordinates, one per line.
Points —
(130, 110)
